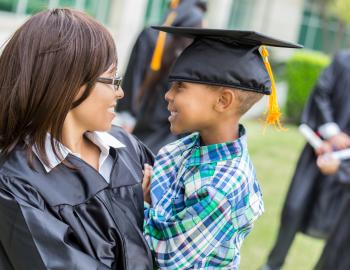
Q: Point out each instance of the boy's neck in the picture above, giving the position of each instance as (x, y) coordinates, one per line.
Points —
(220, 134)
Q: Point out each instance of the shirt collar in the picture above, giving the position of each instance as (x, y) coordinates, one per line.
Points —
(102, 140)
(217, 152)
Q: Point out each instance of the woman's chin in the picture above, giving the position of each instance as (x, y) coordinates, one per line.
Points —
(103, 128)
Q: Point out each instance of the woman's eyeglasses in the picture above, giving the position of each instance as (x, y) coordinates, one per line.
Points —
(116, 81)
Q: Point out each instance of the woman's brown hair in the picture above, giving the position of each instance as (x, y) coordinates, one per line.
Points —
(42, 68)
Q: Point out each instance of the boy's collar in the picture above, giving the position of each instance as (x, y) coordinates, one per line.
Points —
(216, 152)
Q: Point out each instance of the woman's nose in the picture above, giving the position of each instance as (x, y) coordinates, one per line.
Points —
(119, 93)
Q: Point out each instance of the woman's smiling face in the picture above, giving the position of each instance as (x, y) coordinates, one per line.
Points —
(96, 112)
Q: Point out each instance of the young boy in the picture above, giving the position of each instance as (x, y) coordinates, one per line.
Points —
(204, 192)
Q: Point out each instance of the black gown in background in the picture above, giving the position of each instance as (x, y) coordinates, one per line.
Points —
(73, 219)
(313, 203)
(152, 125)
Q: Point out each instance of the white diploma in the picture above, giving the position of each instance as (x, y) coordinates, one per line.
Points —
(341, 154)
(310, 136)
(316, 142)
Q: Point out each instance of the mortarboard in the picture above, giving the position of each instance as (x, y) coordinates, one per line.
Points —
(231, 58)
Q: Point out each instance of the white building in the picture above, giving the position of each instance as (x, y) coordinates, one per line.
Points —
(292, 20)
(126, 18)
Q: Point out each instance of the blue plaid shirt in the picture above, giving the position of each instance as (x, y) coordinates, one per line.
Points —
(204, 202)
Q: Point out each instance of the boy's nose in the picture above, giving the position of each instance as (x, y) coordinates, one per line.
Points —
(168, 95)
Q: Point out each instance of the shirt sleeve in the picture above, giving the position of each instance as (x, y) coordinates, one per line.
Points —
(329, 130)
(32, 237)
(194, 232)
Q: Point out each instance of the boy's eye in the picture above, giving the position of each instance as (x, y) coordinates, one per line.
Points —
(179, 87)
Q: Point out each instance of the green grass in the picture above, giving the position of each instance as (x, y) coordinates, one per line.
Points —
(275, 154)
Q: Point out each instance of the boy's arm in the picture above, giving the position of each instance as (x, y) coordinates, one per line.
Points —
(208, 226)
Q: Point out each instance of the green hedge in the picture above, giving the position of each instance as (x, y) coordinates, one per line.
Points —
(302, 71)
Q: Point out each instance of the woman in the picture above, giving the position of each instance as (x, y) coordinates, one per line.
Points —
(70, 193)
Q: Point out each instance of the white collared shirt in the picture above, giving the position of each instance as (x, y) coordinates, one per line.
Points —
(102, 140)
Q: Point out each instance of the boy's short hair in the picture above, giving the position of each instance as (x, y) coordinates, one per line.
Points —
(246, 99)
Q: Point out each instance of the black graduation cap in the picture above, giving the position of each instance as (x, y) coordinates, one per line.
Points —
(231, 58)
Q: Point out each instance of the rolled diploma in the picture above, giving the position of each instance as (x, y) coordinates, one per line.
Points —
(316, 142)
(310, 136)
(341, 154)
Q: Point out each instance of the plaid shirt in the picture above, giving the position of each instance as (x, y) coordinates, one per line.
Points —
(204, 202)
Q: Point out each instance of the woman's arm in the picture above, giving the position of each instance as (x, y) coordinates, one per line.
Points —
(32, 238)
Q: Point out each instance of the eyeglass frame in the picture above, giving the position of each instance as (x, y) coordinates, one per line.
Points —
(116, 81)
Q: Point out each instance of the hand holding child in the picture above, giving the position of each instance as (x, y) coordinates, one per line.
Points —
(146, 182)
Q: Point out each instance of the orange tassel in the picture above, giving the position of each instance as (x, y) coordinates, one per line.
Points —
(174, 3)
(273, 114)
(159, 49)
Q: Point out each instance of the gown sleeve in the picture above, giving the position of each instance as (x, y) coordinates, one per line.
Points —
(33, 238)
(319, 109)
(135, 72)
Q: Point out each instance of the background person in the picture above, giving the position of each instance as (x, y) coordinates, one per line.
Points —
(312, 205)
(146, 79)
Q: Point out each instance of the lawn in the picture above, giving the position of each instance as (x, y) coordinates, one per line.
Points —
(275, 154)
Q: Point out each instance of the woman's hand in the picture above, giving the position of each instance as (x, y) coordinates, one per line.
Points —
(327, 164)
(325, 147)
(146, 182)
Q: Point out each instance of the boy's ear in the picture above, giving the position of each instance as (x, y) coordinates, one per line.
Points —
(225, 100)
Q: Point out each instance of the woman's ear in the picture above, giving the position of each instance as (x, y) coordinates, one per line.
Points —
(225, 100)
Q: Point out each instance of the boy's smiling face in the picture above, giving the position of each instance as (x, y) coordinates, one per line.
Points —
(192, 107)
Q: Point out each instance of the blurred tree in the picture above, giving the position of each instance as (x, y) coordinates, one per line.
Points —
(328, 10)
(340, 8)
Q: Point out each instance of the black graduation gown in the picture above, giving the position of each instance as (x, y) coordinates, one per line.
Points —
(335, 255)
(136, 70)
(313, 199)
(74, 219)
(152, 125)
